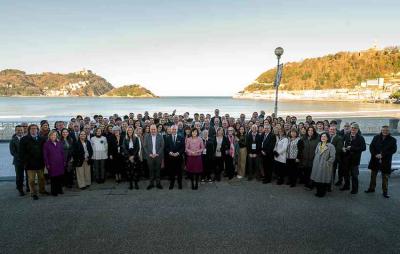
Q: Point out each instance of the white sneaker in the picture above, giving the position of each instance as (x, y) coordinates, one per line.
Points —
(239, 177)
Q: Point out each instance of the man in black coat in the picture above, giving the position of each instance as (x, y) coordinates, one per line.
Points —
(382, 148)
(267, 151)
(31, 154)
(19, 167)
(174, 149)
(253, 151)
(354, 145)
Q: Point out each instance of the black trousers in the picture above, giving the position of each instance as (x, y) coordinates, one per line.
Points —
(352, 171)
(252, 163)
(218, 167)
(56, 184)
(307, 175)
(321, 189)
(293, 171)
(175, 170)
(280, 170)
(69, 171)
(207, 167)
(19, 176)
(229, 167)
(268, 167)
(132, 172)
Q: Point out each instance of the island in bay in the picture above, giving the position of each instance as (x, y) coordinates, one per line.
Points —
(371, 75)
(81, 83)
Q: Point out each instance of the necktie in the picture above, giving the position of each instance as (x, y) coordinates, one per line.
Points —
(174, 139)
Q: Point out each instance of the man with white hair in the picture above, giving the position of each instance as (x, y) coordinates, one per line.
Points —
(174, 149)
(154, 152)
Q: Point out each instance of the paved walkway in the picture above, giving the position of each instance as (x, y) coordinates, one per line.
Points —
(236, 217)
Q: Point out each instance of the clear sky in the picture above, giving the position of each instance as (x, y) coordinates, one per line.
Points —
(198, 47)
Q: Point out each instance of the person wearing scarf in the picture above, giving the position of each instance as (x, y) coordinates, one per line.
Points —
(324, 157)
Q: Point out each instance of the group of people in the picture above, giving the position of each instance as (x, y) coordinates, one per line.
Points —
(202, 148)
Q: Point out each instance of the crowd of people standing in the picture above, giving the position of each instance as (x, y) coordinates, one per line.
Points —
(202, 148)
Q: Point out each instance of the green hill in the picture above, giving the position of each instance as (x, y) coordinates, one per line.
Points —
(340, 70)
(130, 91)
(82, 83)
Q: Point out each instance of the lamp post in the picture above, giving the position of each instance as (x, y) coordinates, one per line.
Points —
(278, 53)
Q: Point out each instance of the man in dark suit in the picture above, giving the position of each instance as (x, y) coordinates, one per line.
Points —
(382, 148)
(174, 149)
(216, 116)
(337, 142)
(354, 145)
(267, 152)
(253, 151)
(212, 133)
(14, 150)
(154, 152)
(74, 134)
(31, 154)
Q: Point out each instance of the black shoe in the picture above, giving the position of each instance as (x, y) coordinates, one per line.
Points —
(136, 186)
(266, 181)
(21, 193)
(338, 183)
(280, 182)
(35, 197)
(45, 193)
(345, 188)
(309, 186)
(171, 187)
(180, 187)
(61, 192)
(329, 189)
(354, 192)
(83, 188)
(385, 195)
(292, 185)
(159, 186)
(369, 191)
(151, 186)
(131, 187)
(54, 194)
(28, 190)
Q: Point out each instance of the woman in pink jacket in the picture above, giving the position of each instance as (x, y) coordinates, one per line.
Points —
(194, 164)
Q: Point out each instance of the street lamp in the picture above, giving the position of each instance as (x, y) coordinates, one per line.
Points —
(278, 53)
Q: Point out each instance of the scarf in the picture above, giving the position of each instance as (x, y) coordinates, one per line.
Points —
(323, 147)
(232, 148)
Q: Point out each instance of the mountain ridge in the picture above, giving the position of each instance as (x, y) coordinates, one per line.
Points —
(15, 82)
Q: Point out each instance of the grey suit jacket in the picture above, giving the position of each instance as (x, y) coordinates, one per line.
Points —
(148, 146)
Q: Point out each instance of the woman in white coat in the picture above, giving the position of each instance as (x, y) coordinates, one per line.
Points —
(280, 152)
(324, 157)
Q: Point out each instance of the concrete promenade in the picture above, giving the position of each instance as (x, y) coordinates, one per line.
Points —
(226, 217)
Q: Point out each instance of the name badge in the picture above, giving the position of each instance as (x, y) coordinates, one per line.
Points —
(205, 151)
(119, 149)
(253, 146)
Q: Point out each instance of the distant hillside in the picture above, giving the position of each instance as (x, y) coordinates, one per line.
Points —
(81, 83)
(340, 70)
(130, 91)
